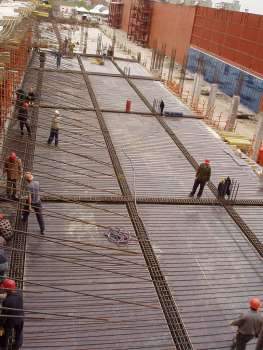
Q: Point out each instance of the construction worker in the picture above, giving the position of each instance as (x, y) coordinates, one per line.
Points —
(20, 97)
(161, 107)
(31, 97)
(23, 118)
(58, 58)
(249, 325)
(13, 170)
(71, 47)
(33, 201)
(203, 175)
(65, 46)
(54, 130)
(6, 230)
(12, 315)
(3, 260)
(224, 187)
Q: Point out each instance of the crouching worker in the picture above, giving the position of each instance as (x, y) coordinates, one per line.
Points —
(12, 317)
(6, 230)
(249, 325)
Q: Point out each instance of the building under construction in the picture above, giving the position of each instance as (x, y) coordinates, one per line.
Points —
(127, 259)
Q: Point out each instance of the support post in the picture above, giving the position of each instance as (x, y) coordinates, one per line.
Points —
(198, 83)
(85, 43)
(259, 137)
(211, 99)
(232, 115)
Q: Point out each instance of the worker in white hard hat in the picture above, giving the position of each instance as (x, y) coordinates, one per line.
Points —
(54, 130)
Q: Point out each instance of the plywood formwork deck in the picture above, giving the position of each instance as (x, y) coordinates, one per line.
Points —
(95, 273)
(204, 143)
(210, 268)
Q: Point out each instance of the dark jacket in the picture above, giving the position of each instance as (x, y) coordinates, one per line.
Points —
(13, 301)
(249, 323)
(22, 114)
(31, 97)
(203, 172)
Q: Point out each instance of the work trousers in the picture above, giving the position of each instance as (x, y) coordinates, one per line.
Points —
(18, 336)
(240, 341)
(196, 184)
(11, 187)
(22, 124)
(38, 211)
(53, 135)
(161, 110)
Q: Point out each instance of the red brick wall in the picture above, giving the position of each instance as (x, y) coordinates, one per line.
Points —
(126, 15)
(172, 25)
(233, 36)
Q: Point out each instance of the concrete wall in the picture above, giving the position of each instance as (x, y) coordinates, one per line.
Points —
(172, 25)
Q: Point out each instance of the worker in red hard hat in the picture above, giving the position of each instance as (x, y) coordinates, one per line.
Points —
(13, 170)
(13, 315)
(249, 325)
(202, 176)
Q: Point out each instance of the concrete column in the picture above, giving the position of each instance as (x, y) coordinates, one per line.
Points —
(81, 35)
(85, 43)
(198, 83)
(212, 99)
(259, 137)
(232, 114)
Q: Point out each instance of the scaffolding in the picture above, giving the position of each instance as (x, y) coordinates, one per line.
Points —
(115, 14)
(140, 21)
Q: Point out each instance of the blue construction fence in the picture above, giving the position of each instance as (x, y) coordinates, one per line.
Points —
(230, 79)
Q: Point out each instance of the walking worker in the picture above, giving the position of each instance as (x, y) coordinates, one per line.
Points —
(58, 58)
(13, 170)
(249, 325)
(12, 315)
(161, 107)
(54, 130)
(203, 175)
(33, 201)
(23, 118)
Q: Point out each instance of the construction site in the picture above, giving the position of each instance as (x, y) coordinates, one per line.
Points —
(122, 257)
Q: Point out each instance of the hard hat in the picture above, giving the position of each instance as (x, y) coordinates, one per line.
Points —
(12, 156)
(9, 284)
(2, 216)
(255, 303)
(57, 112)
(29, 176)
(207, 161)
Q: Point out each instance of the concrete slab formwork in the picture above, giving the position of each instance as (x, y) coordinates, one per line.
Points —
(209, 268)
